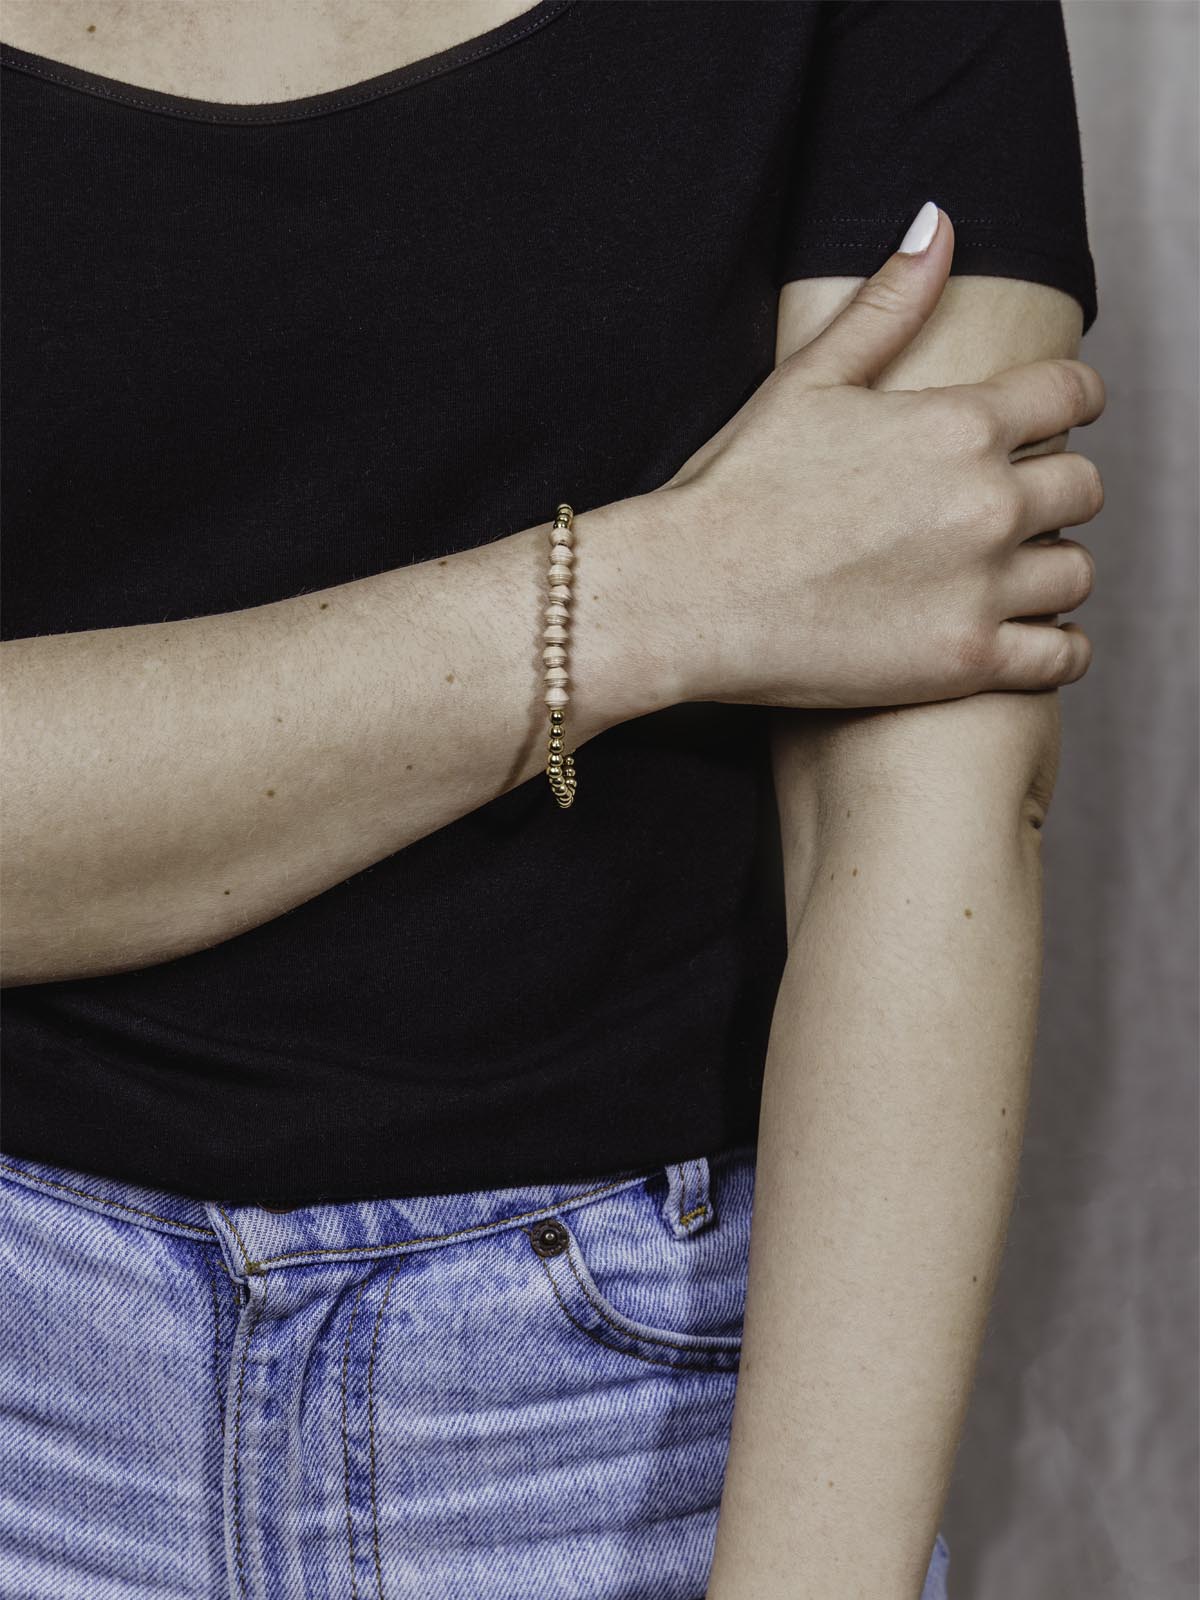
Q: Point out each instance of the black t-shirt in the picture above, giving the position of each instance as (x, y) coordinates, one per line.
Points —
(254, 352)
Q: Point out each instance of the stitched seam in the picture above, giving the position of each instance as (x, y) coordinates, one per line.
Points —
(237, 1441)
(636, 1355)
(646, 1338)
(371, 1424)
(992, 221)
(248, 1262)
(434, 1238)
(232, 115)
(33, 1178)
(1017, 248)
(698, 1211)
(216, 1310)
(346, 1436)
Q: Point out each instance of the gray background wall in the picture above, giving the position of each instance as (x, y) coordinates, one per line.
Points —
(1077, 1476)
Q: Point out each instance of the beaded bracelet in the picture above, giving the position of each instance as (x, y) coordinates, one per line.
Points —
(560, 768)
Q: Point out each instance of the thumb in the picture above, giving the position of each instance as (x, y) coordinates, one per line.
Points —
(889, 309)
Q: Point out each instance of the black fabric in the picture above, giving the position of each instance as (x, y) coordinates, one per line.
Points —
(253, 353)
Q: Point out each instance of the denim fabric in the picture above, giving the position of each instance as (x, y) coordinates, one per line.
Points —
(519, 1393)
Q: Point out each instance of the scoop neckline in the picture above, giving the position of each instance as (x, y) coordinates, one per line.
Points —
(305, 106)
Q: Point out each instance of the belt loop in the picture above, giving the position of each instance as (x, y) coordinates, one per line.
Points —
(688, 1206)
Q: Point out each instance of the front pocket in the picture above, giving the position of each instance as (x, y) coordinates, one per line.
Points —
(616, 1273)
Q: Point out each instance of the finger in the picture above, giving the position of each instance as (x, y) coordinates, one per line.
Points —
(1045, 579)
(1056, 491)
(1041, 655)
(1039, 399)
(888, 309)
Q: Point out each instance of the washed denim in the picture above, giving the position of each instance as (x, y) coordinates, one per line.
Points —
(518, 1394)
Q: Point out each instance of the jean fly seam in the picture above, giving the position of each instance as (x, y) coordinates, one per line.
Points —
(216, 1311)
(237, 1441)
(371, 1423)
(255, 1268)
(34, 1178)
(346, 1435)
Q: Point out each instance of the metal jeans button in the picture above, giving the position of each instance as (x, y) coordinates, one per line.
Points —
(549, 1238)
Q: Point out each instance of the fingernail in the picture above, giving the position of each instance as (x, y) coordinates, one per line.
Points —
(920, 230)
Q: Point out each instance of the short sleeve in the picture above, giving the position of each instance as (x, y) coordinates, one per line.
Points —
(969, 104)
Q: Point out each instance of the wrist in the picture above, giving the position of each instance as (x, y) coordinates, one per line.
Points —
(631, 652)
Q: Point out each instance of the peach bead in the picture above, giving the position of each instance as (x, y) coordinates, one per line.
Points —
(556, 674)
(556, 612)
(561, 535)
(562, 553)
(554, 655)
(560, 591)
(555, 696)
(559, 574)
(555, 633)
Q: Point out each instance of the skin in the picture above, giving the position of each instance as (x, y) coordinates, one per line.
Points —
(897, 1072)
(228, 50)
(891, 1127)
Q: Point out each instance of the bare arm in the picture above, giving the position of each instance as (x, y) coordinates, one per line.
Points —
(170, 785)
(897, 1071)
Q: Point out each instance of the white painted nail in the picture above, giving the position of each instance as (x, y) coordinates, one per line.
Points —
(920, 230)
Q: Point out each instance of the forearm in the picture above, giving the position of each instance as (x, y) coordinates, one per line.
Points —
(892, 1113)
(168, 786)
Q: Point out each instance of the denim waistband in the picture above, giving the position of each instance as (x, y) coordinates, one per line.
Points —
(258, 1239)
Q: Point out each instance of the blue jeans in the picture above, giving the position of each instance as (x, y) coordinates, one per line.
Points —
(523, 1394)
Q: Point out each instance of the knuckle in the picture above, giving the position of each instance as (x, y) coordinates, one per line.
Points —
(882, 294)
(1062, 657)
(996, 509)
(1072, 389)
(1088, 574)
(964, 418)
(1095, 395)
(972, 652)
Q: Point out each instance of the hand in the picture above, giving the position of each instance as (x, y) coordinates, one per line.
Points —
(835, 545)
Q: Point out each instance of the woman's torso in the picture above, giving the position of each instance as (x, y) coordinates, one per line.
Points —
(253, 350)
